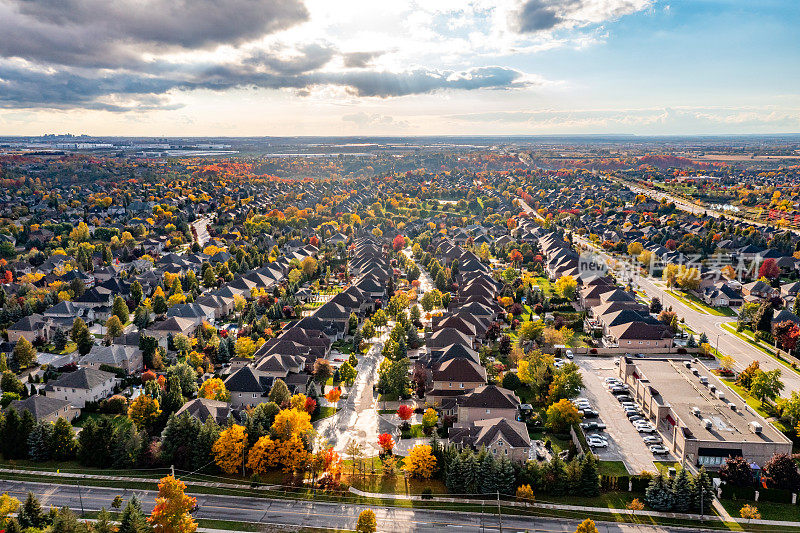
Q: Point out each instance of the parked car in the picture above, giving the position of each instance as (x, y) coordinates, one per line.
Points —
(652, 439)
(595, 443)
(658, 449)
(569, 354)
(587, 426)
(633, 417)
(590, 413)
(642, 428)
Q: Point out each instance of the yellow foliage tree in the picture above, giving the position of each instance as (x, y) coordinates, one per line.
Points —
(263, 456)
(229, 449)
(420, 462)
(214, 389)
(291, 423)
(144, 411)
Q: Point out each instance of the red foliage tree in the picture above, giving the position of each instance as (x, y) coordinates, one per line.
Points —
(311, 404)
(671, 245)
(404, 412)
(386, 442)
(786, 334)
(148, 375)
(769, 269)
(515, 257)
(398, 243)
(313, 240)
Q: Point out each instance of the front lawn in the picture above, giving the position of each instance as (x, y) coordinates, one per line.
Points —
(694, 300)
(768, 510)
(69, 348)
(323, 412)
(612, 468)
(414, 433)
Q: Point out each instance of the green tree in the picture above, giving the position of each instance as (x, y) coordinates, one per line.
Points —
(132, 519)
(11, 383)
(347, 373)
(24, 353)
(279, 392)
(60, 339)
(590, 478)
(187, 377)
(39, 442)
(120, 309)
(81, 336)
(30, 514)
(368, 329)
(767, 385)
(63, 443)
(682, 489)
(137, 294)
(159, 304)
(658, 494)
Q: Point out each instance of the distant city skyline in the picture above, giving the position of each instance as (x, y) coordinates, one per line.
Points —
(317, 67)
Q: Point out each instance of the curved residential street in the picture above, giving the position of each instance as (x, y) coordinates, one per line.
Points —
(357, 418)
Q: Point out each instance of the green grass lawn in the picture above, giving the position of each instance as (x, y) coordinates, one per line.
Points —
(68, 348)
(768, 510)
(414, 433)
(697, 302)
(612, 468)
(753, 403)
(324, 412)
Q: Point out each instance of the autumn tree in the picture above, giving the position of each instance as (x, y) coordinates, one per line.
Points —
(386, 442)
(229, 449)
(24, 353)
(769, 269)
(420, 462)
(81, 336)
(144, 411)
(120, 308)
(214, 389)
(172, 512)
(587, 526)
(290, 423)
(367, 523)
(561, 415)
(114, 327)
(333, 396)
(566, 286)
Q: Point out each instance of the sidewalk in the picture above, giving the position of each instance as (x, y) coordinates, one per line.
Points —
(725, 517)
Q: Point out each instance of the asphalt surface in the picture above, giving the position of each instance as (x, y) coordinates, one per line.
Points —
(310, 514)
(726, 342)
(624, 441)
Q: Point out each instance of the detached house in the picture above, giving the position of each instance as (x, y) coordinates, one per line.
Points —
(81, 386)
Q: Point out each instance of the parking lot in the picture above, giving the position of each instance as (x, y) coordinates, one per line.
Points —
(625, 443)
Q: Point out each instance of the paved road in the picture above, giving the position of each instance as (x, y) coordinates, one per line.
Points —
(300, 514)
(729, 344)
(358, 419)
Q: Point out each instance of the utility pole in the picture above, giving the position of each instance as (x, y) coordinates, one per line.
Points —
(80, 496)
(499, 512)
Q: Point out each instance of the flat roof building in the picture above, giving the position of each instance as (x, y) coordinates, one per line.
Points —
(700, 419)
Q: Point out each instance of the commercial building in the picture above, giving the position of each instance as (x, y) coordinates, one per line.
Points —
(701, 420)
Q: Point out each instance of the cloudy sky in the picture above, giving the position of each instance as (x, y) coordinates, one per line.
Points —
(329, 67)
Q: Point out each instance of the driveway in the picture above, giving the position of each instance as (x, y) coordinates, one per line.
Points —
(624, 441)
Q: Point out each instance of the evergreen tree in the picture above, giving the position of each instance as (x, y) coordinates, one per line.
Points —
(30, 513)
(682, 489)
(127, 447)
(81, 336)
(65, 521)
(453, 477)
(702, 486)
(691, 343)
(506, 477)
(357, 342)
(206, 437)
(279, 392)
(13, 526)
(132, 519)
(658, 494)
(590, 479)
(703, 338)
(104, 522)
(487, 475)
(137, 294)
(60, 339)
(172, 399)
(469, 473)
(39, 442)
(178, 438)
(556, 476)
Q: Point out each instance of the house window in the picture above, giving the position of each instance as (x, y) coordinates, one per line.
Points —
(488, 411)
(462, 385)
(629, 342)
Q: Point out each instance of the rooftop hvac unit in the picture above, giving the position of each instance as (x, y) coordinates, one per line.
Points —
(695, 372)
(712, 388)
(733, 406)
(721, 394)
(704, 380)
(755, 427)
(696, 411)
(707, 423)
(688, 364)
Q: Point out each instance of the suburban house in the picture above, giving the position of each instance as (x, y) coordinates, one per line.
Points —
(82, 386)
(46, 409)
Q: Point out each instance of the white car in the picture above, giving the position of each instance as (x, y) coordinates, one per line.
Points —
(652, 439)
(569, 354)
(658, 449)
(597, 443)
(645, 428)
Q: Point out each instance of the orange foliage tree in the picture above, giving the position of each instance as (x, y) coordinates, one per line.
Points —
(172, 513)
